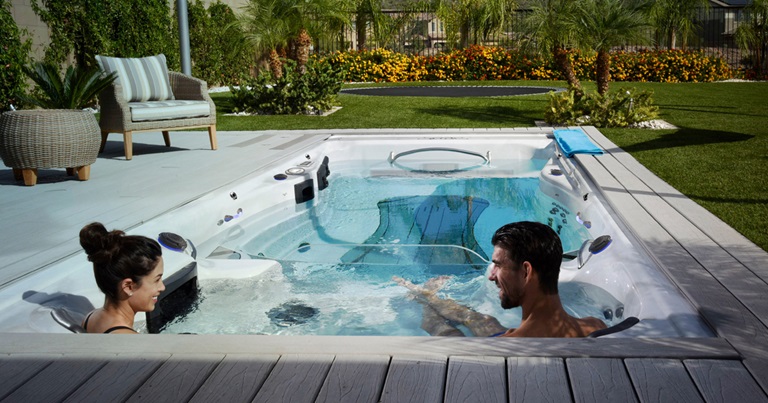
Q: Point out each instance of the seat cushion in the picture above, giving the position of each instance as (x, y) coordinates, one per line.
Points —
(167, 110)
(142, 79)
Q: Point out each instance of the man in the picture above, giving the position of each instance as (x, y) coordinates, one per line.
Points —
(526, 266)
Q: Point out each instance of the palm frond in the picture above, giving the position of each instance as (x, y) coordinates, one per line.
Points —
(75, 91)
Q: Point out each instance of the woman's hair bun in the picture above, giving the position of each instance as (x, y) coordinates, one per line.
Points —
(100, 244)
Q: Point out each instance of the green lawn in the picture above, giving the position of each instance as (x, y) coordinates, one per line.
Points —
(718, 157)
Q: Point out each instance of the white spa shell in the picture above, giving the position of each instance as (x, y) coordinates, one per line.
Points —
(625, 270)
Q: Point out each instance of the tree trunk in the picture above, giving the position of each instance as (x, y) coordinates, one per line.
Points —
(361, 25)
(603, 71)
(672, 39)
(464, 34)
(303, 43)
(342, 40)
(275, 65)
(564, 63)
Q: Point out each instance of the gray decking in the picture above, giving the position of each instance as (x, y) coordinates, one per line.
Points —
(721, 272)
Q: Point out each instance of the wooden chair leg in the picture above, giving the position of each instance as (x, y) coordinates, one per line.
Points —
(17, 174)
(212, 136)
(84, 172)
(30, 176)
(166, 138)
(103, 141)
(128, 144)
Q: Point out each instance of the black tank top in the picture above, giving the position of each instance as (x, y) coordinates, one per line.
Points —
(110, 330)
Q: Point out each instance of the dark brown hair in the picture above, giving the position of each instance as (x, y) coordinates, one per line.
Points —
(535, 243)
(117, 256)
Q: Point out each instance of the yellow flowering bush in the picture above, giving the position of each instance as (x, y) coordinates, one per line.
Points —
(495, 63)
(668, 66)
(377, 65)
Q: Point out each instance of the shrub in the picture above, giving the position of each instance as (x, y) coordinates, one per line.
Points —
(13, 56)
(86, 28)
(293, 93)
(215, 49)
(377, 65)
(621, 108)
(494, 63)
(76, 90)
(668, 66)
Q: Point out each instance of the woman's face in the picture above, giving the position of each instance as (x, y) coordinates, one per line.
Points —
(145, 296)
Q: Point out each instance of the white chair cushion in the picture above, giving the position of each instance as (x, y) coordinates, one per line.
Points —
(142, 79)
(166, 110)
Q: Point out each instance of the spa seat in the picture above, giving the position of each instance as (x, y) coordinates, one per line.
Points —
(425, 220)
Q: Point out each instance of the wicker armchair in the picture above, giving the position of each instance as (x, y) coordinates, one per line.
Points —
(116, 116)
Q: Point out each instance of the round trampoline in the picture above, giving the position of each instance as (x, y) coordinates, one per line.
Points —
(451, 91)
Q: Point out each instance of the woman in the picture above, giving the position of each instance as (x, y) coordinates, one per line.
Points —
(128, 270)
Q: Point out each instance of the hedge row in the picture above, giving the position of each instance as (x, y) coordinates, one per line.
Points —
(493, 63)
(13, 55)
(85, 28)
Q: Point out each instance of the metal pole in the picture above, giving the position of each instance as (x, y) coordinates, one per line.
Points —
(181, 11)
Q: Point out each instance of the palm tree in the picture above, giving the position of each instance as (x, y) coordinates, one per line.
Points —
(674, 18)
(265, 29)
(479, 17)
(550, 29)
(604, 24)
(273, 26)
(313, 18)
(367, 11)
(387, 28)
(752, 35)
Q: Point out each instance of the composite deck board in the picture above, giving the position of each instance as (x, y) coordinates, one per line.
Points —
(414, 346)
(598, 380)
(722, 307)
(415, 379)
(59, 379)
(295, 379)
(177, 379)
(15, 370)
(724, 381)
(741, 248)
(118, 379)
(481, 379)
(354, 379)
(662, 381)
(668, 250)
(236, 379)
(537, 380)
(724, 267)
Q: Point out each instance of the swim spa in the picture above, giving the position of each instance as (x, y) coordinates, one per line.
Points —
(264, 247)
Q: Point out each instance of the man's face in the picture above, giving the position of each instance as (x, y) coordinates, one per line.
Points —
(509, 278)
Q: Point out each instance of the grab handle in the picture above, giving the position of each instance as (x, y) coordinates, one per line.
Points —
(393, 156)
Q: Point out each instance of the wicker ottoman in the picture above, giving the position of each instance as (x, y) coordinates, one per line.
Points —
(49, 138)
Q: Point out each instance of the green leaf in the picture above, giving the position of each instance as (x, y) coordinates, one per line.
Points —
(76, 90)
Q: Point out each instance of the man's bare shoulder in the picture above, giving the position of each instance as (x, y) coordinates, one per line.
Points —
(591, 324)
